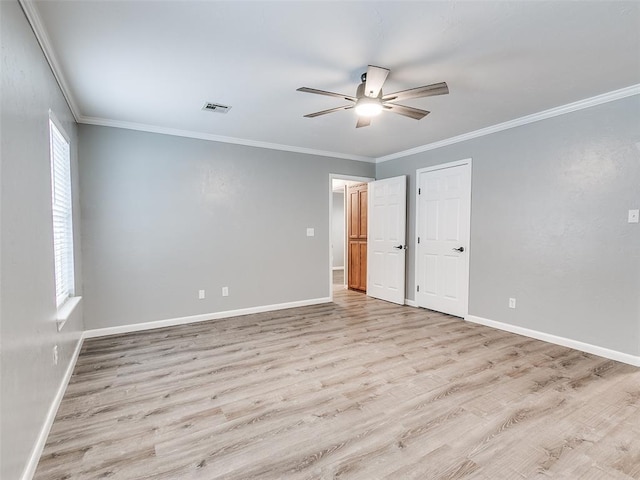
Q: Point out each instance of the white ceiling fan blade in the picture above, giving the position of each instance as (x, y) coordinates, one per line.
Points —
(376, 76)
(323, 92)
(410, 112)
(363, 122)
(331, 110)
(425, 91)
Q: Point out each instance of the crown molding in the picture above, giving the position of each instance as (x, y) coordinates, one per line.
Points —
(31, 12)
(535, 117)
(219, 138)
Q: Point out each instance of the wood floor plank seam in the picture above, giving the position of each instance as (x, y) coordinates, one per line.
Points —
(354, 389)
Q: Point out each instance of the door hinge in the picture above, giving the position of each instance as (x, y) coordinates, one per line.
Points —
(418, 239)
(418, 288)
(419, 191)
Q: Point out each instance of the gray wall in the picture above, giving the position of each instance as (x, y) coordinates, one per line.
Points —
(337, 229)
(28, 332)
(164, 217)
(549, 223)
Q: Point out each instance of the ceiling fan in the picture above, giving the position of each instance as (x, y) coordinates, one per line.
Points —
(369, 100)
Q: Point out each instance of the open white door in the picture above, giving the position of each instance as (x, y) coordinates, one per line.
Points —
(386, 248)
(442, 249)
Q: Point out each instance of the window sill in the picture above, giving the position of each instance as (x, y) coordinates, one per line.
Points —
(65, 311)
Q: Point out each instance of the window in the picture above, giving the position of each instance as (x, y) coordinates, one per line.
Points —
(61, 202)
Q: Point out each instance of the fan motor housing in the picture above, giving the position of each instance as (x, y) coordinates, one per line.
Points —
(361, 93)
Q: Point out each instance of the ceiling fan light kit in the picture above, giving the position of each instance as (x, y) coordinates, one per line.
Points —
(370, 101)
(368, 107)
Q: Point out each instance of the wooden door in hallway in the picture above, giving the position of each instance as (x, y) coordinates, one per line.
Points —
(357, 202)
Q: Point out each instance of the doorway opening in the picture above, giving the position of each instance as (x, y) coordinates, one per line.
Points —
(339, 229)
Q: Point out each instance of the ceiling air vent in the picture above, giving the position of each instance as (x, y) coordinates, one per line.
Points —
(215, 107)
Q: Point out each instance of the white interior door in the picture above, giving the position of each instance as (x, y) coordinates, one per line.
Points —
(442, 244)
(386, 239)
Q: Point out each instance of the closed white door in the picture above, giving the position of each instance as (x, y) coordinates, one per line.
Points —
(386, 240)
(442, 244)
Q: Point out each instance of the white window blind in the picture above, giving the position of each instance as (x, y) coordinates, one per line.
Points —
(61, 202)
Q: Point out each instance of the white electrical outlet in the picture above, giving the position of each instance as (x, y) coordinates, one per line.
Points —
(55, 355)
(225, 291)
(512, 303)
(201, 294)
(634, 216)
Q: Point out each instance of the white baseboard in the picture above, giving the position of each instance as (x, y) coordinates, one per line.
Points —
(563, 341)
(170, 322)
(36, 452)
(30, 468)
(411, 303)
(337, 268)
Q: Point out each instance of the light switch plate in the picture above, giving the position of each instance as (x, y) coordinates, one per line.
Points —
(634, 215)
(310, 232)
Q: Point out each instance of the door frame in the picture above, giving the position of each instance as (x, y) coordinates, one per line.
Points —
(332, 177)
(443, 166)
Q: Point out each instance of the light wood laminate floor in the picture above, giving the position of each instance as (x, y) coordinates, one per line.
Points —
(356, 389)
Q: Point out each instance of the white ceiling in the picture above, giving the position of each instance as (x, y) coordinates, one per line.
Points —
(152, 65)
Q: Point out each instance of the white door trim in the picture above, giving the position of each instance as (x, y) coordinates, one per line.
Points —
(442, 166)
(351, 178)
